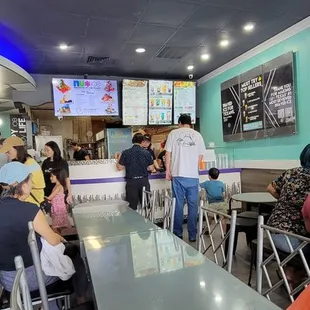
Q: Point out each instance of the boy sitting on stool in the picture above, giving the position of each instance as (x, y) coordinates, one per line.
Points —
(215, 190)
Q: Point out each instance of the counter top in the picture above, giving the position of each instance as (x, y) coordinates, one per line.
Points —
(155, 176)
(91, 162)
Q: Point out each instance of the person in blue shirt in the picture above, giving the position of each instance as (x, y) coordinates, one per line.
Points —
(215, 191)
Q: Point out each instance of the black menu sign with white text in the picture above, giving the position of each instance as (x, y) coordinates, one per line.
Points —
(251, 95)
(260, 103)
(230, 110)
(280, 108)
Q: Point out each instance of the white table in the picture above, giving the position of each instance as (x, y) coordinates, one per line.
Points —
(156, 270)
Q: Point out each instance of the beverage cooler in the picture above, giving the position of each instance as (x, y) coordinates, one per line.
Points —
(117, 140)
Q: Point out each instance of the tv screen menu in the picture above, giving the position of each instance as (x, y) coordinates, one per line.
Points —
(160, 102)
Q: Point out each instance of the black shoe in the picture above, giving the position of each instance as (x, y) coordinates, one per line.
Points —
(192, 240)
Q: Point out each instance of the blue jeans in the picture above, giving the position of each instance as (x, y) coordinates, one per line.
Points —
(185, 188)
(281, 243)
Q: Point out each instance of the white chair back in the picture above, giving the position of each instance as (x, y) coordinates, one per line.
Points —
(281, 258)
(20, 286)
(33, 245)
(229, 236)
(148, 205)
(169, 211)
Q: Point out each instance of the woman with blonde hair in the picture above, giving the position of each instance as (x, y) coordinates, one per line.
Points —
(15, 149)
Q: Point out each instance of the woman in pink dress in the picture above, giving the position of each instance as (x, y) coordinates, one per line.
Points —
(59, 211)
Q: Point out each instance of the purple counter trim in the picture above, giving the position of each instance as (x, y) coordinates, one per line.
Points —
(151, 177)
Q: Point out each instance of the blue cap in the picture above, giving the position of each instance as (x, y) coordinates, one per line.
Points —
(15, 172)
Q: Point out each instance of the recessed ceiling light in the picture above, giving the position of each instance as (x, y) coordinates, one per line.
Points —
(63, 47)
(140, 50)
(191, 67)
(249, 27)
(224, 43)
(205, 56)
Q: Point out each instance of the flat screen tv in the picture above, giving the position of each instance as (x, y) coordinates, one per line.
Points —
(82, 97)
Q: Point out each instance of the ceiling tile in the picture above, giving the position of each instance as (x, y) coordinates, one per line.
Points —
(190, 37)
(210, 17)
(64, 25)
(168, 29)
(152, 34)
(23, 20)
(109, 29)
(161, 65)
(130, 51)
(102, 47)
(63, 57)
(118, 9)
(301, 8)
(77, 7)
(52, 42)
(168, 12)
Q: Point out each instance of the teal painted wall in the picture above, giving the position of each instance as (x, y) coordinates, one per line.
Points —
(5, 128)
(209, 100)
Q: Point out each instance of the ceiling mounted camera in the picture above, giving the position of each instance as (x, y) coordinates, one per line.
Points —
(191, 76)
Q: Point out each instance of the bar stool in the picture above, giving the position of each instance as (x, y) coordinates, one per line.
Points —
(295, 257)
(229, 236)
(169, 211)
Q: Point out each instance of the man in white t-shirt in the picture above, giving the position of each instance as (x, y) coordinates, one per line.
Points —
(184, 150)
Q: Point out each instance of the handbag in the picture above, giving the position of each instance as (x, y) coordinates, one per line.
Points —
(45, 205)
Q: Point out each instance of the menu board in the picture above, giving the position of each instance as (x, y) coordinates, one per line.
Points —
(184, 100)
(135, 102)
(160, 102)
(251, 95)
(78, 97)
(231, 110)
(260, 103)
(280, 108)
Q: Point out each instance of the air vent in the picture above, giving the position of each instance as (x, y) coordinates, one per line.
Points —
(102, 61)
(173, 52)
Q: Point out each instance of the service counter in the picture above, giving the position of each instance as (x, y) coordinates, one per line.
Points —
(100, 180)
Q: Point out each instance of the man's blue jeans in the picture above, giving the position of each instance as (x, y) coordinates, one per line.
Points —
(185, 188)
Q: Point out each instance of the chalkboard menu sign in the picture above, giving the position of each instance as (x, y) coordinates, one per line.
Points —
(261, 102)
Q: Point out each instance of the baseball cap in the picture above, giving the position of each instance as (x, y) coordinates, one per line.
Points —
(15, 172)
(9, 142)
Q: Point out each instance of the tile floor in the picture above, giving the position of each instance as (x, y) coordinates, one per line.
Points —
(241, 268)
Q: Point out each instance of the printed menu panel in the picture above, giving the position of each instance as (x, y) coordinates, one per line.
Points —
(251, 96)
(184, 100)
(231, 110)
(135, 102)
(280, 107)
(160, 102)
(78, 97)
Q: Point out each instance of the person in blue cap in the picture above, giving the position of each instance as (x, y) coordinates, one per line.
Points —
(15, 213)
